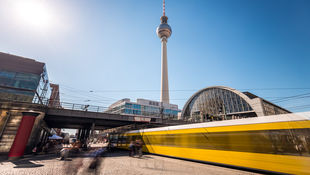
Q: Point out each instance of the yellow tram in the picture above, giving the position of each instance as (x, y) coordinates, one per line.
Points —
(279, 143)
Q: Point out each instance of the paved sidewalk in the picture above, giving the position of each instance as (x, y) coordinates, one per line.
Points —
(115, 163)
(120, 163)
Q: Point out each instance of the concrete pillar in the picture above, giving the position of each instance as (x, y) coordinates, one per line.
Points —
(164, 96)
(79, 135)
(22, 136)
(42, 136)
(46, 137)
(87, 134)
(92, 129)
(82, 134)
(257, 105)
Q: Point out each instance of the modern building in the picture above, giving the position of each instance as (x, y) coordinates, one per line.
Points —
(224, 103)
(164, 32)
(23, 79)
(143, 107)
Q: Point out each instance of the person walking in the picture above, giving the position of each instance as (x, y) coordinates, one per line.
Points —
(131, 148)
(138, 145)
(64, 153)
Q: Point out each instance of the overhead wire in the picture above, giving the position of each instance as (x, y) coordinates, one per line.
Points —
(300, 106)
(305, 95)
(92, 95)
(173, 90)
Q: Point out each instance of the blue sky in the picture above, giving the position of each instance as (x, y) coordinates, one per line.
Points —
(102, 51)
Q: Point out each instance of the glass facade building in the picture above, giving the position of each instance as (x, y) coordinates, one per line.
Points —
(143, 107)
(23, 79)
(224, 103)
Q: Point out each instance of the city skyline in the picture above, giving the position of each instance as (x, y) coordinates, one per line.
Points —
(91, 48)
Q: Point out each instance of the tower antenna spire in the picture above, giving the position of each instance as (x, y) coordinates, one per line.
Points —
(164, 13)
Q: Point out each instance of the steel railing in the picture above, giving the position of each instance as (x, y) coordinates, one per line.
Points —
(47, 103)
(75, 106)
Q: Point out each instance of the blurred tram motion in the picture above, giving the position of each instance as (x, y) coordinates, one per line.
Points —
(279, 143)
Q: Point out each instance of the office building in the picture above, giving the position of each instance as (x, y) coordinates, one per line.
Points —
(143, 107)
(23, 79)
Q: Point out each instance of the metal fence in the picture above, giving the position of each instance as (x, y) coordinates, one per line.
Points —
(46, 103)
(77, 107)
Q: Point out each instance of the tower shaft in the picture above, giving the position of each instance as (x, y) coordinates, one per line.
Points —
(164, 97)
(164, 32)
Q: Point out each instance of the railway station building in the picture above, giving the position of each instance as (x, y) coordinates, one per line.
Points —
(225, 103)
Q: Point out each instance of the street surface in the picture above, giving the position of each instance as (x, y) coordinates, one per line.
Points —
(115, 163)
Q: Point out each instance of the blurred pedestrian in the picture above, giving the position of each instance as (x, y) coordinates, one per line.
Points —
(131, 148)
(34, 150)
(97, 154)
(46, 147)
(64, 153)
(138, 146)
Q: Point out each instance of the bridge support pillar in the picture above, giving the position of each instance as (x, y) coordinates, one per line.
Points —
(92, 129)
(86, 134)
(82, 134)
(79, 134)
(44, 137)
(22, 136)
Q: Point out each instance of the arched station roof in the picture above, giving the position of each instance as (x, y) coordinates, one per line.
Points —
(221, 90)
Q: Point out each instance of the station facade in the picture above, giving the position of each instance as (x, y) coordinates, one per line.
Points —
(225, 103)
(143, 107)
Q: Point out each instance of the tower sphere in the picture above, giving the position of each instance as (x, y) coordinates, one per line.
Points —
(164, 30)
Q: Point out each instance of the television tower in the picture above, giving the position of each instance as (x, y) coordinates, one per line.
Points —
(164, 32)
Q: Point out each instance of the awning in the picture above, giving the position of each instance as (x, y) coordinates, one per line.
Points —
(55, 137)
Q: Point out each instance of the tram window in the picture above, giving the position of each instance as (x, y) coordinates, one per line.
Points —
(129, 139)
(124, 140)
(116, 138)
(113, 138)
(294, 141)
(119, 140)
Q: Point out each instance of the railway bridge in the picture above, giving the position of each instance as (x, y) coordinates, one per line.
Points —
(24, 125)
